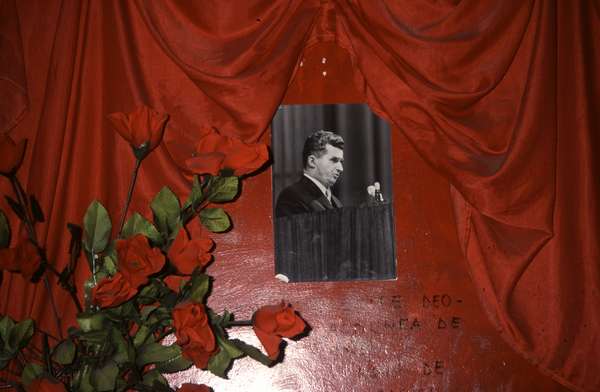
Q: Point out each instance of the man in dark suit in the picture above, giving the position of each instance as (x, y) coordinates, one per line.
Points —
(323, 156)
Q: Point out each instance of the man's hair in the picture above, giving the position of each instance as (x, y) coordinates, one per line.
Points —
(317, 142)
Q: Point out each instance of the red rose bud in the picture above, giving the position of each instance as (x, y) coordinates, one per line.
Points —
(45, 384)
(194, 334)
(174, 282)
(11, 154)
(137, 260)
(271, 323)
(193, 388)
(24, 259)
(215, 152)
(143, 128)
(112, 291)
(187, 254)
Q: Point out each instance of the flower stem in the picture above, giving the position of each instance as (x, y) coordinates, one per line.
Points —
(22, 200)
(67, 286)
(237, 323)
(138, 162)
(27, 219)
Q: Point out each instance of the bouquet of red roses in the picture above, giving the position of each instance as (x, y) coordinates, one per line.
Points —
(146, 284)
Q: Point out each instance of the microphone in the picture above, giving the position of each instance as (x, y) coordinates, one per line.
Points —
(374, 194)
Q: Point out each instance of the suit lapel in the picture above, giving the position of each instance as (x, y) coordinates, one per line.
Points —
(319, 201)
(336, 202)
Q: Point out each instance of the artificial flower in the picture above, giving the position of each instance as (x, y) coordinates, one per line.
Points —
(112, 291)
(193, 388)
(11, 154)
(137, 260)
(45, 384)
(24, 259)
(271, 323)
(193, 333)
(143, 128)
(215, 152)
(186, 254)
(174, 282)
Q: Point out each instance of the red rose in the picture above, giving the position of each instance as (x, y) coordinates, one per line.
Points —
(143, 128)
(188, 254)
(24, 259)
(11, 154)
(215, 152)
(271, 323)
(112, 291)
(174, 282)
(194, 334)
(137, 260)
(193, 388)
(44, 384)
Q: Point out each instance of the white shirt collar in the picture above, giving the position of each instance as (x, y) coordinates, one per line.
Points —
(321, 187)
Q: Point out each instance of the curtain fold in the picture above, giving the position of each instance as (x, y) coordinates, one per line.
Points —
(498, 96)
(13, 83)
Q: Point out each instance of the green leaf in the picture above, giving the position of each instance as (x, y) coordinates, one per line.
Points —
(82, 380)
(145, 312)
(223, 189)
(109, 261)
(36, 210)
(141, 335)
(174, 365)
(31, 372)
(215, 219)
(21, 333)
(137, 224)
(252, 352)
(64, 353)
(96, 227)
(4, 231)
(148, 294)
(91, 321)
(123, 313)
(166, 209)
(94, 337)
(196, 196)
(122, 353)
(154, 379)
(161, 317)
(156, 352)
(6, 325)
(219, 364)
(232, 350)
(7, 355)
(104, 378)
(197, 287)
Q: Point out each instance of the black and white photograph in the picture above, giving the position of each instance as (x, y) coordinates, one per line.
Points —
(332, 194)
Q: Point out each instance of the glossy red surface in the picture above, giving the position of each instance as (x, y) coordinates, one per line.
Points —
(370, 336)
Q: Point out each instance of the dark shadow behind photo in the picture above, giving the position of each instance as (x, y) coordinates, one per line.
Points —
(333, 211)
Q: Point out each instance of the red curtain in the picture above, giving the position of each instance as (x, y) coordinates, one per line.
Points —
(498, 96)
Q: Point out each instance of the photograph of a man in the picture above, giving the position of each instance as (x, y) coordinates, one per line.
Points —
(323, 158)
(333, 216)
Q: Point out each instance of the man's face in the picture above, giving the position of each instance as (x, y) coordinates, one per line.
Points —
(328, 167)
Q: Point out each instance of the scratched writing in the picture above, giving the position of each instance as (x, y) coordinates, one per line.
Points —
(394, 301)
(433, 368)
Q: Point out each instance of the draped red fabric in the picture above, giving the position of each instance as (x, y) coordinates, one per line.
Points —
(498, 96)
(13, 86)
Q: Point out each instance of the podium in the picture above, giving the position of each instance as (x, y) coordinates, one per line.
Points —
(349, 243)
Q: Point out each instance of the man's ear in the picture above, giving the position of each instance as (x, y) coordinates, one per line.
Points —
(310, 161)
